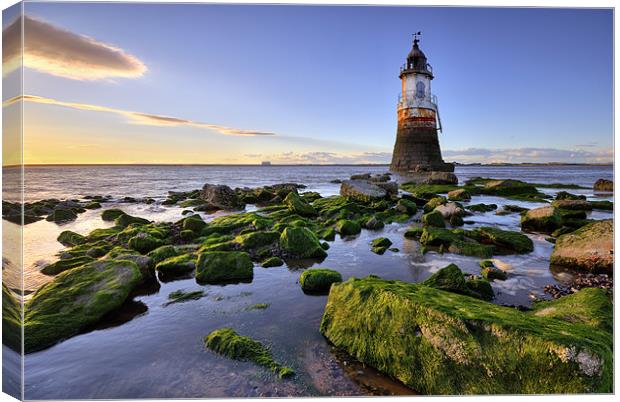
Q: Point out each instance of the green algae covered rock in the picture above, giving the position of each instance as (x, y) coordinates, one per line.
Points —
(11, 320)
(490, 271)
(319, 280)
(301, 243)
(144, 242)
(441, 343)
(76, 299)
(162, 253)
(481, 207)
(508, 187)
(406, 206)
(193, 223)
(69, 238)
(434, 203)
(459, 195)
(434, 218)
(452, 279)
(125, 220)
(348, 227)
(380, 244)
(65, 264)
(177, 265)
(590, 248)
(253, 240)
(223, 267)
(111, 214)
(272, 262)
(510, 241)
(227, 342)
(543, 219)
(61, 215)
(298, 206)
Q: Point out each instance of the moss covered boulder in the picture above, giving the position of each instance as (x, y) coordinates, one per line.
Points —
(491, 272)
(76, 299)
(227, 342)
(161, 253)
(505, 239)
(434, 203)
(452, 279)
(299, 242)
(254, 240)
(508, 187)
(69, 238)
(380, 244)
(590, 248)
(195, 223)
(543, 219)
(318, 280)
(459, 195)
(441, 343)
(177, 265)
(223, 267)
(362, 191)
(579, 205)
(65, 264)
(348, 227)
(298, 206)
(125, 220)
(62, 215)
(272, 262)
(434, 218)
(11, 320)
(111, 214)
(406, 206)
(144, 242)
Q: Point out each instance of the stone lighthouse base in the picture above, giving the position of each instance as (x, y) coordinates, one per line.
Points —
(417, 152)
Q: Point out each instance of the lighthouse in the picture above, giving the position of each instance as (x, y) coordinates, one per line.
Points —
(417, 145)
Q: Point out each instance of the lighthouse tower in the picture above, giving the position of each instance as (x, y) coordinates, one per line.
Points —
(417, 145)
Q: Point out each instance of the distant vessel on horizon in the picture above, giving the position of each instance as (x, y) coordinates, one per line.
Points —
(265, 163)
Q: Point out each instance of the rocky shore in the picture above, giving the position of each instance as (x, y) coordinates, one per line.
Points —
(445, 335)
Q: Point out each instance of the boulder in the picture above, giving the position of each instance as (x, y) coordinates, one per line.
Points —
(362, 191)
(318, 280)
(563, 195)
(162, 253)
(604, 185)
(433, 219)
(298, 206)
(580, 205)
(77, 299)
(176, 265)
(221, 196)
(504, 239)
(543, 219)
(272, 262)
(459, 195)
(508, 187)
(380, 244)
(491, 272)
(144, 242)
(406, 206)
(223, 267)
(590, 248)
(390, 187)
(434, 203)
(61, 215)
(449, 210)
(374, 224)
(452, 279)
(348, 227)
(66, 264)
(441, 178)
(125, 220)
(300, 242)
(69, 238)
(441, 343)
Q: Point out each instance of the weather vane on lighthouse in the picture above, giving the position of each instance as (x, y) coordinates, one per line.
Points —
(417, 146)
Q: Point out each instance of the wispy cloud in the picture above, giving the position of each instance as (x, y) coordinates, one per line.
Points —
(139, 118)
(54, 50)
(324, 158)
(528, 154)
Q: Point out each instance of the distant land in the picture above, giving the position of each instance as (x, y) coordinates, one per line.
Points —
(307, 164)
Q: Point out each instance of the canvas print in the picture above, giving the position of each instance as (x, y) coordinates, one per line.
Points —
(233, 200)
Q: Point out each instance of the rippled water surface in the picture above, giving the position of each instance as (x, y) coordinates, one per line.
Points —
(152, 350)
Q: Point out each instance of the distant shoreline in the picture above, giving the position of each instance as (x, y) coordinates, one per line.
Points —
(528, 164)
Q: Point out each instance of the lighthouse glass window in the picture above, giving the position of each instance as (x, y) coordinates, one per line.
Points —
(420, 89)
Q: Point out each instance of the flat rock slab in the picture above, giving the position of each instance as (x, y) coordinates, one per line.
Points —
(589, 248)
(362, 190)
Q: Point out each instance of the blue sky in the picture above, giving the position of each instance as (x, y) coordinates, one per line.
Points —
(515, 85)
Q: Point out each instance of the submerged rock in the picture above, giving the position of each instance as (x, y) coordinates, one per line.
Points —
(590, 248)
(604, 185)
(441, 343)
(69, 238)
(227, 342)
(362, 191)
(76, 299)
(543, 219)
(319, 280)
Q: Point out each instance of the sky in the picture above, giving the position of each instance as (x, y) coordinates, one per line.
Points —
(193, 83)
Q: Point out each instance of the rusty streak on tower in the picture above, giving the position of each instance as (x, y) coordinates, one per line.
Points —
(417, 146)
